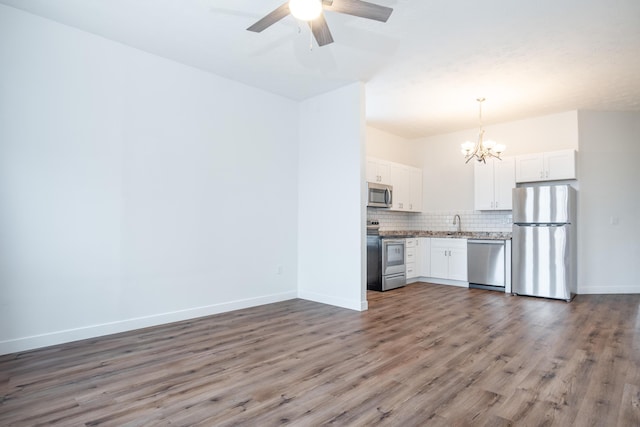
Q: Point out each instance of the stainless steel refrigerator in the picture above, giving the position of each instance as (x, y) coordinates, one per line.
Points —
(544, 242)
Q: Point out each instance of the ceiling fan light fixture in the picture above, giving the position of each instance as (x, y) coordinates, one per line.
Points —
(305, 10)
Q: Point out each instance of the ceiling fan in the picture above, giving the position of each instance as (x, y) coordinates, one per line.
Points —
(311, 11)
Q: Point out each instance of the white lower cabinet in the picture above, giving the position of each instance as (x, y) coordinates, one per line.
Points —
(410, 258)
(417, 256)
(449, 259)
(423, 256)
(436, 258)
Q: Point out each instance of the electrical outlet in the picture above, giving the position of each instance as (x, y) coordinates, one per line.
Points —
(614, 220)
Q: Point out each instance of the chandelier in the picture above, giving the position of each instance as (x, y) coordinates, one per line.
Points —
(481, 150)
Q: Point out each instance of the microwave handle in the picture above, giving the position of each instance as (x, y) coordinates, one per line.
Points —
(387, 196)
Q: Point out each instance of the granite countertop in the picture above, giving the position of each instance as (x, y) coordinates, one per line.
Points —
(448, 234)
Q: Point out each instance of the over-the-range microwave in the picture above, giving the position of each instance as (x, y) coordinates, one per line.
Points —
(379, 195)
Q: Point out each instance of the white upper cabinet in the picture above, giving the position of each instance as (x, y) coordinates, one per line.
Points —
(415, 188)
(493, 182)
(378, 171)
(549, 166)
(560, 165)
(400, 182)
(406, 182)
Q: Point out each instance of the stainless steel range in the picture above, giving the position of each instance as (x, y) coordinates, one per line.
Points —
(385, 260)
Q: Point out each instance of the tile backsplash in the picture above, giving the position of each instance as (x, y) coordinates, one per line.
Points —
(498, 221)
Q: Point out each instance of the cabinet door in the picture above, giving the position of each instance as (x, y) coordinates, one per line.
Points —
(415, 188)
(400, 181)
(377, 171)
(458, 264)
(372, 171)
(384, 172)
(483, 184)
(560, 165)
(423, 255)
(530, 168)
(439, 263)
(418, 257)
(505, 182)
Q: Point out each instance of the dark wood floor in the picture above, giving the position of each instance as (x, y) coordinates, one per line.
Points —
(422, 355)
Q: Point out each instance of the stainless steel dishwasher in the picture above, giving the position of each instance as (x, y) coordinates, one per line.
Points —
(489, 264)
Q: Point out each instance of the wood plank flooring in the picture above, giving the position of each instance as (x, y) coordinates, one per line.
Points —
(422, 355)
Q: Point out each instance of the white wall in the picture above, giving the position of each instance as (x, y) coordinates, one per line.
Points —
(385, 145)
(609, 202)
(331, 231)
(134, 190)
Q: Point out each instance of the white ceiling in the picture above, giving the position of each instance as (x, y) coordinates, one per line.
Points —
(423, 69)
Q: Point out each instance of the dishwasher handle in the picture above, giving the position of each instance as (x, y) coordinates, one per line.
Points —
(485, 242)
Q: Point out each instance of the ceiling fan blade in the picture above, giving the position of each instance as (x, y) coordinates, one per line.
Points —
(360, 8)
(270, 19)
(320, 31)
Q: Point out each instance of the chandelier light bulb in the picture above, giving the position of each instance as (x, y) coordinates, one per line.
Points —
(489, 144)
(305, 10)
(467, 147)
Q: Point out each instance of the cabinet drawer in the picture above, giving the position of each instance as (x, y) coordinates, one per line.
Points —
(410, 255)
(410, 243)
(449, 243)
(411, 270)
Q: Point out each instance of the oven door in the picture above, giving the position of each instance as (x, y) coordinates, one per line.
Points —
(392, 256)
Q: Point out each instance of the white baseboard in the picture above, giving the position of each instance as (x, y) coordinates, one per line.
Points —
(624, 289)
(93, 331)
(444, 282)
(338, 302)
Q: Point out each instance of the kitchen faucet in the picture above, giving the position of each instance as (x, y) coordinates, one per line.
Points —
(458, 222)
